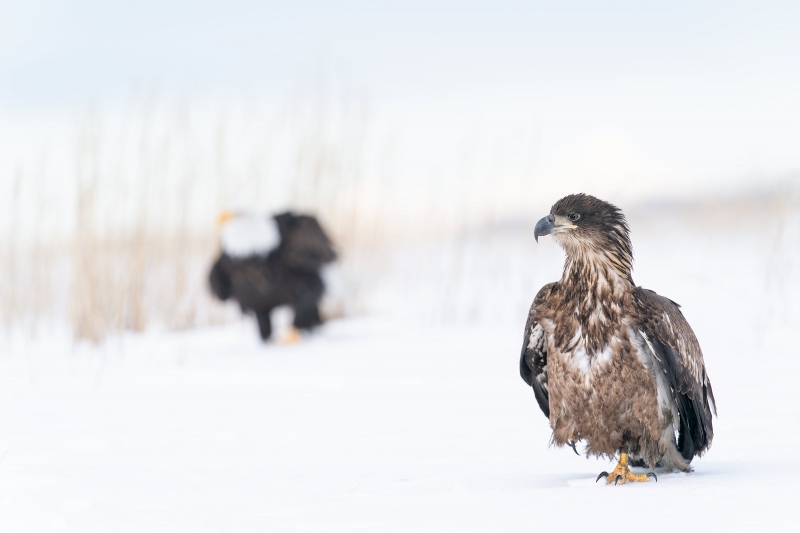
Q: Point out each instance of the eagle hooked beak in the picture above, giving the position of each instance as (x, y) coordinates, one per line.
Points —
(224, 217)
(552, 224)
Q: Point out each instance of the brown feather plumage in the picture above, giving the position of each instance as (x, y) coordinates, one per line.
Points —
(612, 364)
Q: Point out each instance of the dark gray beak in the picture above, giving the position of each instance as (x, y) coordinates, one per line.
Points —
(544, 226)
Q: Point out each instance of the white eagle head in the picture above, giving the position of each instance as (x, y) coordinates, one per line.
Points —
(245, 234)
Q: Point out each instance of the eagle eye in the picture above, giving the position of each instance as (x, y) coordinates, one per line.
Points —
(574, 216)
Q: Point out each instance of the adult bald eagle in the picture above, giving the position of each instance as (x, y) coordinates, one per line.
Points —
(612, 364)
(271, 262)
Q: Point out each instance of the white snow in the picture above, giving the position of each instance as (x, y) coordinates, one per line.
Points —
(366, 426)
(394, 425)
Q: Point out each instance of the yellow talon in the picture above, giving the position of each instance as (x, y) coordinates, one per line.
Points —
(622, 474)
(291, 337)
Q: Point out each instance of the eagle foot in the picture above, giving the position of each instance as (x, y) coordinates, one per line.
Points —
(572, 444)
(292, 337)
(622, 474)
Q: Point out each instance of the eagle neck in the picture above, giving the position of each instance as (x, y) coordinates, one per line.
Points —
(595, 265)
(597, 293)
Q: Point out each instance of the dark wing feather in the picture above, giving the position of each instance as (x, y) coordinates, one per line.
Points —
(251, 281)
(219, 280)
(304, 244)
(675, 347)
(533, 357)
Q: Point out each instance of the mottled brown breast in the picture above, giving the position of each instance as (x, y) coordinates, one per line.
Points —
(600, 391)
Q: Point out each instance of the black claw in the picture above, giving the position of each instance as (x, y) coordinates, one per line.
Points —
(650, 474)
(602, 474)
(572, 444)
(615, 481)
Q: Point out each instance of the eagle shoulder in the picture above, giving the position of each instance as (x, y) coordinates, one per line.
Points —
(533, 356)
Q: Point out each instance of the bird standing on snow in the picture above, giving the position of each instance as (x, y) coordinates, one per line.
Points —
(610, 363)
(271, 262)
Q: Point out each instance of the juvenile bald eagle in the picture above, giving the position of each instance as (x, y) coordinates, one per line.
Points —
(271, 262)
(612, 364)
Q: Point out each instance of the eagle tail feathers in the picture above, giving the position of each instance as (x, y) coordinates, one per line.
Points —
(672, 459)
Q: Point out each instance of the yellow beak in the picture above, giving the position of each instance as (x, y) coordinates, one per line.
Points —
(224, 217)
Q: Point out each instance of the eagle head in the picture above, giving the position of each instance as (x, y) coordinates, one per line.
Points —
(591, 228)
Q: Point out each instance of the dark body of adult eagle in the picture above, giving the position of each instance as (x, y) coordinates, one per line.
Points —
(269, 262)
(612, 364)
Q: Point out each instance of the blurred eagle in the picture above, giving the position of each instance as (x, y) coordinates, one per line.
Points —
(612, 364)
(271, 262)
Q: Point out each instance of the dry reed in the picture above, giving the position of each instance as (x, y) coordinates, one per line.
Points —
(147, 186)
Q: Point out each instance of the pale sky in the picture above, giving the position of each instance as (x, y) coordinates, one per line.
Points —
(51, 50)
(682, 91)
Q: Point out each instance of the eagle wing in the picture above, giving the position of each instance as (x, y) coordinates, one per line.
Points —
(219, 280)
(677, 352)
(533, 358)
(249, 281)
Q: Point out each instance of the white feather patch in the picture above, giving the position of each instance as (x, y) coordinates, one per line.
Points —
(646, 353)
(586, 362)
(535, 337)
(249, 235)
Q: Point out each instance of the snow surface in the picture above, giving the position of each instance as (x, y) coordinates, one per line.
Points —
(366, 426)
(408, 422)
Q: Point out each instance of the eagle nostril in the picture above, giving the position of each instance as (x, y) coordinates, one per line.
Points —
(551, 218)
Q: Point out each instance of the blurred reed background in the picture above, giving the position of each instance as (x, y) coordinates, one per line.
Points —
(113, 229)
(114, 226)
(428, 143)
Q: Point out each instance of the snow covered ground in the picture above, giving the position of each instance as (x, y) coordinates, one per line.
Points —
(389, 425)
(366, 427)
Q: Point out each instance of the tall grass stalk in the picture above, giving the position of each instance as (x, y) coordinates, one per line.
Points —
(130, 216)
